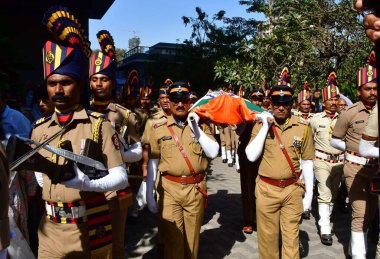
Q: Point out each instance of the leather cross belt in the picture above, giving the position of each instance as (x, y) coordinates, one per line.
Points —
(186, 179)
(279, 182)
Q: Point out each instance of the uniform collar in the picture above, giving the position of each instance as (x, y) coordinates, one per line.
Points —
(291, 121)
(172, 121)
(324, 114)
(362, 107)
(79, 114)
(111, 106)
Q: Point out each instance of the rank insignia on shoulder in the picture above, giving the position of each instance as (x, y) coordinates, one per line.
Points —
(95, 114)
(115, 141)
(41, 121)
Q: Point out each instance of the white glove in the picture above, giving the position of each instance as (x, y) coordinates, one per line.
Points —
(367, 149)
(338, 144)
(255, 148)
(209, 146)
(193, 120)
(308, 177)
(39, 179)
(117, 179)
(141, 196)
(150, 185)
(133, 153)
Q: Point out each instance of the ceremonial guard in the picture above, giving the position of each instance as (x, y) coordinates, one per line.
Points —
(328, 163)
(183, 148)
(102, 84)
(77, 222)
(358, 170)
(248, 170)
(304, 103)
(279, 191)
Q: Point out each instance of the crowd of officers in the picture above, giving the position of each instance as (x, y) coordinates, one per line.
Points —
(159, 157)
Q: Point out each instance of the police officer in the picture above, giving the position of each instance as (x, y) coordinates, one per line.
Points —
(279, 192)
(77, 222)
(358, 170)
(182, 148)
(304, 103)
(102, 84)
(328, 163)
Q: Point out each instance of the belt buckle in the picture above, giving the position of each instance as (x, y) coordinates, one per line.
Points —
(182, 180)
(281, 183)
(334, 157)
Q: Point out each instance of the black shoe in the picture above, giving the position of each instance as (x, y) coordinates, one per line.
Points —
(224, 161)
(326, 239)
(306, 214)
(238, 171)
(301, 249)
(230, 164)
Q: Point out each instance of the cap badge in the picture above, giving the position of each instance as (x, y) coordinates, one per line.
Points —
(50, 57)
(370, 73)
(282, 93)
(179, 89)
(333, 90)
(98, 61)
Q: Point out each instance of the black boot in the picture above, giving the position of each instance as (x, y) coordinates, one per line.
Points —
(224, 161)
(326, 239)
(306, 214)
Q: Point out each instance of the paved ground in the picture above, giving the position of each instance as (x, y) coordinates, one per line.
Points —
(221, 235)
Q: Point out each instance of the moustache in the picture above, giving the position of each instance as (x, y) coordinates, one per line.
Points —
(60, 97)
(180, 108)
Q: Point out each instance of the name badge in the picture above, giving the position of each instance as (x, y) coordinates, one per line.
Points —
(361, 121)
(166, 138)
(322, 126)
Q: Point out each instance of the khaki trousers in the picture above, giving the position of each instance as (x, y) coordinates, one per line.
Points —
(329, 177)
(229, 135)
(58, 240)
(181, 211)
(278, 209)
(363, 202)
(222, 137)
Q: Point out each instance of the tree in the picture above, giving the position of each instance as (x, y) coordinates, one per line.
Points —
(312, 36)
(133, 42)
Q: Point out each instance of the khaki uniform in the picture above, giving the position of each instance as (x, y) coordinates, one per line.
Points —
(181, 206)
(276, 207)
(350, 126)
(327, 172)
(372, 128)
(72, 240)
(229, 135)
(222, 136)
(120, 117)
(4, 200)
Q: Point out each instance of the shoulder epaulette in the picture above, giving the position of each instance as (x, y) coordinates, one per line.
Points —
(159, 124)
(41, 121)
(303, 121)
(96, 114)
(120, 107)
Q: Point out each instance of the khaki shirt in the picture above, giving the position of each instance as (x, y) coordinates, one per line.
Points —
(323, 127)
(372, 128)
(350, 125)
(4, 200)
(297, 138)
(158, 117)
(171, 160)
(119, 117)
(80, 127)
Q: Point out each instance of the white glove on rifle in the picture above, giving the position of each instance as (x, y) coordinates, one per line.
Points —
(150, 185)
(117, 179)
(209, 146)
(141, 196)
(308, 177)
(255, 148)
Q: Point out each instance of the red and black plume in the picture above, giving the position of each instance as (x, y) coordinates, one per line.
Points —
(372, 58)
(66, 29)
(107, 43)
(331, 80)
(285, 78)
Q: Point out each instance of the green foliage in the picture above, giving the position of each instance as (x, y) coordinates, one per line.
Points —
(312, 36)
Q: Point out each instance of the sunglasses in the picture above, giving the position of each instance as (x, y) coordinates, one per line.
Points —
(283, 104)
(180, 100)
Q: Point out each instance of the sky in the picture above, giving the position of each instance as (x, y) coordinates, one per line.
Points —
(156, 21)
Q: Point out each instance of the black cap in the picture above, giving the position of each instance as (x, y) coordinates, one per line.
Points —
(179, 89)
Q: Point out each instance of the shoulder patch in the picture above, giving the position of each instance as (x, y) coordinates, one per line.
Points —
(96, 114)
(41, 121)
(159, 124)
